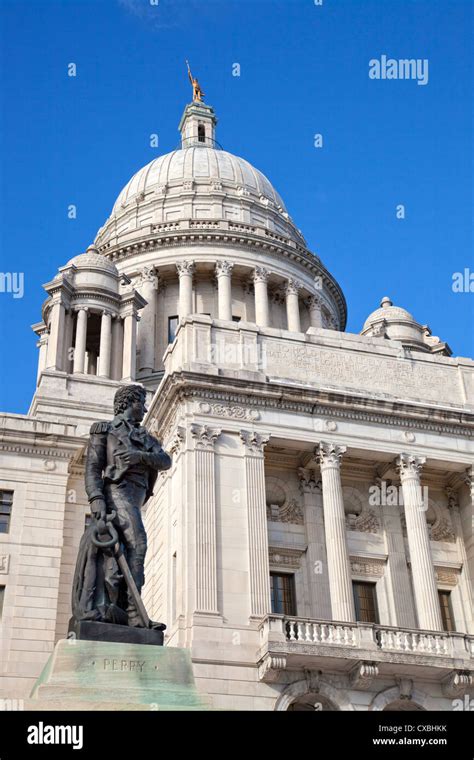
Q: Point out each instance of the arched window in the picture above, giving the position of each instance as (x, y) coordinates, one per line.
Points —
(201, 133)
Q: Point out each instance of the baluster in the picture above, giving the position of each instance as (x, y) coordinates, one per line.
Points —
(338, 634)
(430, 643)
(323, 634)
(330, 634)
(407, 642)
(437, 645)
(307, 632)
(300, 631)
(292, 631)
(315, 632)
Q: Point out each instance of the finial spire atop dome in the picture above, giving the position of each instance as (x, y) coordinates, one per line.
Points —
(386, 302)
(198, 125)
(198, 94)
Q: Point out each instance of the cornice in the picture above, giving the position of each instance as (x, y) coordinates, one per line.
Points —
(339, 405)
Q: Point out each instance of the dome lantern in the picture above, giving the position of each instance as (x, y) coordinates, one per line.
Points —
(198, 125)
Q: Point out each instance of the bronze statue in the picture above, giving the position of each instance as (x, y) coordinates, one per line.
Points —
(198, 94)
(122, 465)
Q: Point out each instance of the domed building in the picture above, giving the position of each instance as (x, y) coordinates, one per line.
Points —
(312, 544)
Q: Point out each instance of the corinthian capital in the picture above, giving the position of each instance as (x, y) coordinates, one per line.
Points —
(292, 287)
(205, 436)
(409, 465)
(147, 274)
(313, 302)
(308, 482)
(329, 454)
(254, 443)
(260, 274)
(185, 267)
(224, 268)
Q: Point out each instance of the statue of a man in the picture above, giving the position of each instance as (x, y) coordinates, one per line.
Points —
(122, 465)
(198, 94)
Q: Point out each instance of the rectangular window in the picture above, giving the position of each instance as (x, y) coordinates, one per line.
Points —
(172, 327)
(2, 596)
(446, 610)
(283, 594)
(6, 502)
(236, 319)
(365, 601)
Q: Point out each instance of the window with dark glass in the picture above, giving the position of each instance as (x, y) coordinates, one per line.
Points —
(2, 596)
(283, 593)
(172, 327)
(446, 610)
(201, 133)
(6, 503)
(365, 602)
(236, 319)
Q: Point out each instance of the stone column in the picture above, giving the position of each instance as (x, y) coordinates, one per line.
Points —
(147, 287)
(468, 522)
(56, 337)
(224, 289)
(43, 353)
(259, 566)
(129, 358)
(314, 307)
(81, 337)
(68, 352)
(260, 280)
(292, 305)
(117, 348)
(423, 573)
(105, 349)
(339, 570)
(185, 272)
(206, 549)
(92, 362)
(317, 564)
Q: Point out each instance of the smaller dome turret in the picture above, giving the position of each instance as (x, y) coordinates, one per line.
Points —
(395, 323)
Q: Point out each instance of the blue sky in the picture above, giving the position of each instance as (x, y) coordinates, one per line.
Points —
(304, 70)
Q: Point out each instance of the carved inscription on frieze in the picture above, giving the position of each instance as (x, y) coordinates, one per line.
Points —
(400, 377)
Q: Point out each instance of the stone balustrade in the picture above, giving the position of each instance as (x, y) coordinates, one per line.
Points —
(285, 632)
(396, 640)
(322, 633)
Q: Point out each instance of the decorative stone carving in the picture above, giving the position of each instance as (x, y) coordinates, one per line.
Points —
(4, 564)
(405, 686)
(224, 268)
(177, 440)
(366, 522)
(188, 185)
(308, 482)
(409, 436)
(147, 274)
(185, 267)
(330, 425)
(205, 436)
(371, 567)
(409, 465)
(270, 667)
(313, 302)
(285, 556)
(329, 454)
(292, 287)
(232, 412)
(441, 530)
(363, 674)
(447, 575)
(254, 443)
(260, 274)
(290, 512)
(216, 186)
(457, 684)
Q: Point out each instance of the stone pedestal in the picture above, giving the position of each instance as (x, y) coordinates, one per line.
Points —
(99, 675)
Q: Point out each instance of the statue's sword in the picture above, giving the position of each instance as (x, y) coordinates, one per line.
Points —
(123, 565)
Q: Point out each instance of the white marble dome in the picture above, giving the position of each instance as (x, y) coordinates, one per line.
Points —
(91, 269)
(197, 182)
